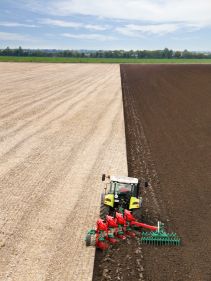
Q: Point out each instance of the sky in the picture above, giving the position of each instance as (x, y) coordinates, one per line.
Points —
(106, 25)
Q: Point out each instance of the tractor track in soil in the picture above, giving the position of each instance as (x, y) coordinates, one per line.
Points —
(167, 112)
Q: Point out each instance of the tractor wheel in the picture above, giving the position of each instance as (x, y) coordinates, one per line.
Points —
(90, 240)
(104, 211)
(137, 213)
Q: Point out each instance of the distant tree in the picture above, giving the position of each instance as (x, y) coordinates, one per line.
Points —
(7, 51)
(20, 51)
(177, 54)
(167, 53)
(186, 54)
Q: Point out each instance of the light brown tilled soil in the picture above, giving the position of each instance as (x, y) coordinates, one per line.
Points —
(61, 126)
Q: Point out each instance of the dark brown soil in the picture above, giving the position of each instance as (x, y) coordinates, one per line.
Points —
(168, 133)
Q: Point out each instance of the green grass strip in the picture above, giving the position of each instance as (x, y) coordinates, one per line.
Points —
(101, 60)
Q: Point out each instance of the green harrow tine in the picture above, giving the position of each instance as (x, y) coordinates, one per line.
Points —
(160, 237)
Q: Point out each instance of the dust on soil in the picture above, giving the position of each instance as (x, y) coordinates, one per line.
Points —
(168, 115)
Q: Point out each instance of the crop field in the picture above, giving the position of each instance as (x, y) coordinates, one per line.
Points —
(168, 134)
(102, 60)
(60, 127)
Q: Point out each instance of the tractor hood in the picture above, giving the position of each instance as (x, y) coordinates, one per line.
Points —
(124, 179)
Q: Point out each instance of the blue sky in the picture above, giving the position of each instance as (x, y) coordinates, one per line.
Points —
(108, 24)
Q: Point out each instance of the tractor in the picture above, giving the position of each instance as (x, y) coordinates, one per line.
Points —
(121, 193)
(120, 212)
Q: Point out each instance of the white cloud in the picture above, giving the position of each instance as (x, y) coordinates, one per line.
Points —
(133, 30)
(133, 18)
(9, 36)
(93, 36)
(96, 27)
(71, 24)
(156, 16)
(154, 29)
(190, 11)
(16, 24)
(60, 23)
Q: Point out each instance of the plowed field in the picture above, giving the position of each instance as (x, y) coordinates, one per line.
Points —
(172, 112)
(168, 134)
(61, 126)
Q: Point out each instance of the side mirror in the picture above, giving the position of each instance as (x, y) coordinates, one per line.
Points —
(146, 184)
(103, 177)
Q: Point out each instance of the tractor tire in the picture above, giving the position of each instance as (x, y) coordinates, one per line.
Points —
(137, 214)
(104, 211)
(90, 240)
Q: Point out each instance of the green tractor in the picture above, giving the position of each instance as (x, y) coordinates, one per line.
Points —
(121, 193)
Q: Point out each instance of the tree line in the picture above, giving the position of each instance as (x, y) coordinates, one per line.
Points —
(145, 54)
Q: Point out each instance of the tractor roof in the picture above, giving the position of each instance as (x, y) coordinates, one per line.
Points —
(124, 179)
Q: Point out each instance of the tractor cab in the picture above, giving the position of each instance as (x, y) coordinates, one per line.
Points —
(121, 188)
(121, 192)
(123, 185)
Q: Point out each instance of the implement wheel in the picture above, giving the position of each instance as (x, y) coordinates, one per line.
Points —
(90, 240)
